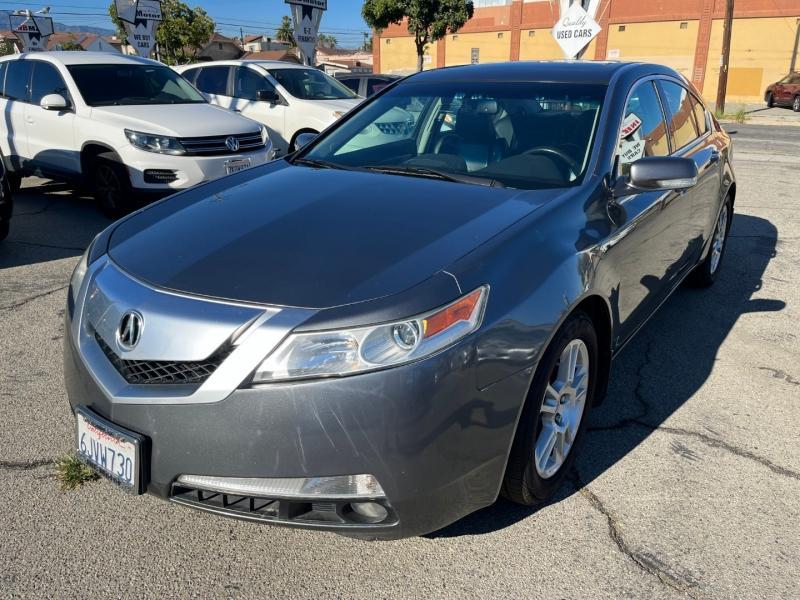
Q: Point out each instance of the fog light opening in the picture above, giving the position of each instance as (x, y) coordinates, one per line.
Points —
(368, 512)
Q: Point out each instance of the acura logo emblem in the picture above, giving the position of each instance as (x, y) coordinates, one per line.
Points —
(130, 329)
(232, 143)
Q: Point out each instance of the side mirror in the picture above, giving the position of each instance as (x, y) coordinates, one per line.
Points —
(54, 102)
(657, 173)
(304, 139)
(270, 96)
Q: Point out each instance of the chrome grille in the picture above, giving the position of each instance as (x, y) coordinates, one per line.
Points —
(217, 145)
(149, 372)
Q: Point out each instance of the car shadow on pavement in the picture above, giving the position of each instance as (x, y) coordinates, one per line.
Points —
(660, 370)
(50, 222)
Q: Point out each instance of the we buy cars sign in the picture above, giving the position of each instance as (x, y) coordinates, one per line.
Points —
(574, 30)
(141, 19)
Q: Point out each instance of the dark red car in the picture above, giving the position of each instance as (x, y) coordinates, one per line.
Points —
(785, 92)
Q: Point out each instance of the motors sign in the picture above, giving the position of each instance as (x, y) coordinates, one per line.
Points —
(32, 31)
(574, 30)
(140, 19)
(307, 15)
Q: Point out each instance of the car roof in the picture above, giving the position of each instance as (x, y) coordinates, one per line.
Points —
(267, 64)
(557, 71)
(366, 75)
(84, 58)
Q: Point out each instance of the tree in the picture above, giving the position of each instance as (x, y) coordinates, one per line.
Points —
(428, 20)
(72, 45)
(181, 35)
(327, 41)
(285, 33)
(367, 47)
(6, 47)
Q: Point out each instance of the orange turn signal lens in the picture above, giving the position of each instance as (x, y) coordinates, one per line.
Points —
(460, 310)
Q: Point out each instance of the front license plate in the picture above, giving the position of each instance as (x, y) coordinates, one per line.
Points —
(110, 450)
(234, 166)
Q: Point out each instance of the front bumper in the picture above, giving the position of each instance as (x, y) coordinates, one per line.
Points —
(190, 170)
(436, 444)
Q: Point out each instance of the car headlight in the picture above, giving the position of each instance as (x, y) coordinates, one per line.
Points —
(154, 143)
(264, 135)
(76, 281)
(349, 351)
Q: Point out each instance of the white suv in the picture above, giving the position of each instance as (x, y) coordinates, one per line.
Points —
(126, 127)
(289, 99)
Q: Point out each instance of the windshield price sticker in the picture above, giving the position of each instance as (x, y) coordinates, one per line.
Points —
(631, 123)
(631, 151)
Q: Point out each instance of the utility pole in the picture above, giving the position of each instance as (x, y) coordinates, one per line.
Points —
(726, 57)
(796, 44)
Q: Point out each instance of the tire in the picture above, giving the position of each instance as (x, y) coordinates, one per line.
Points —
(5, 227)
(111, 187)
(532, 476)
(770, 100)
(705, 273)
(796, 104)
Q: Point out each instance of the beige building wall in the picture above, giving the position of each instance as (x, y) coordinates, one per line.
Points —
(538, 44)
(494, 46)
(761, 53)
(670, 43)
(399, 55)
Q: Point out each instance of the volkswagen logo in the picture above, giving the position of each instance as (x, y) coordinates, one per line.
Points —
(232, 143)
(129, 331)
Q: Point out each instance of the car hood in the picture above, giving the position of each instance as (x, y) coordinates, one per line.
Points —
(180, 120)
(314, 238)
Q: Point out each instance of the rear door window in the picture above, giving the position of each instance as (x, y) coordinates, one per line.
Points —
(680, 113)
(700, 115)
(376, 85)
(643, 132)
(190, 75)
(351, 82)
(213, 80)
(18, 79)
(248, 83)
(47, 80)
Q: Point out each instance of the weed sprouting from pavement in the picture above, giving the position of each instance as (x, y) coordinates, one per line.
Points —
(72, 473)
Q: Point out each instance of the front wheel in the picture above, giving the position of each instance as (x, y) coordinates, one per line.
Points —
(555, 414)
(112, 189)
(770, 100)
(796, 104)
(705, 274)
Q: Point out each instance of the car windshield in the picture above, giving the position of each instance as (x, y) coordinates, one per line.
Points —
(523, 135)
(126, 85)
(311, 84)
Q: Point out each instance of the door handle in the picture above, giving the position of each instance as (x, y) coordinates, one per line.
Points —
(29, 120)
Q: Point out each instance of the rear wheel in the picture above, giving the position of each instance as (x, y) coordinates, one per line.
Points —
(796, 104)
(555, 414)
(111, 187)
(705, 274)
(770, 100)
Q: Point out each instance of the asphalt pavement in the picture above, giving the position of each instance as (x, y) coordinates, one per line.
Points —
(688, 483)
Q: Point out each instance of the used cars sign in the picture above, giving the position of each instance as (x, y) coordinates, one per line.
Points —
(575, 30)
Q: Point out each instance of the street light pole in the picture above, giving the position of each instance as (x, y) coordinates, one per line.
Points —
(722, 87)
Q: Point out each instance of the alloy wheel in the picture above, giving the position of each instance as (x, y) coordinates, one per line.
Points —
(108, 188)
(796, 105)
(562, 408)
(718, 243)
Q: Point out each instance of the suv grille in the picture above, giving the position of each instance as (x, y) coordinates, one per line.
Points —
(164, 372)
(217, 145)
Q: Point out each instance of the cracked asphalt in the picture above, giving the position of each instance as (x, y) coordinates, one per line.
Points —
(688, 483)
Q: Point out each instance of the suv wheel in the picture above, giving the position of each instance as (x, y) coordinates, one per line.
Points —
(796, 104)
(555, 414)
(112, 189)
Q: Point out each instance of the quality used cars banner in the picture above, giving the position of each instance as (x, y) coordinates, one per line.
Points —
(141, 19)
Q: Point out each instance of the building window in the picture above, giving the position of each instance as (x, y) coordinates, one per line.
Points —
(684, 25)
(500, 36)
(621, 28)
(388, 41)
(532, 33)
(455, 37)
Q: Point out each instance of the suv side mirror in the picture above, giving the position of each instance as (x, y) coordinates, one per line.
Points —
(304, 139)
(658, 173)
(270, 96)
(54, 102)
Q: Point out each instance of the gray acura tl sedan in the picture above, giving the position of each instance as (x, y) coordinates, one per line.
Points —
(384, 331)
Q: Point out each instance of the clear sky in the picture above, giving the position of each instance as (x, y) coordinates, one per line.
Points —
(342, 19)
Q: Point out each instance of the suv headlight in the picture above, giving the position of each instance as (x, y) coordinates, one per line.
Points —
(348, 351)
(264, 135)
(154, 143)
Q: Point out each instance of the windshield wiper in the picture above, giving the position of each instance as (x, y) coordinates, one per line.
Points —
(320, 164)
(434, 174)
